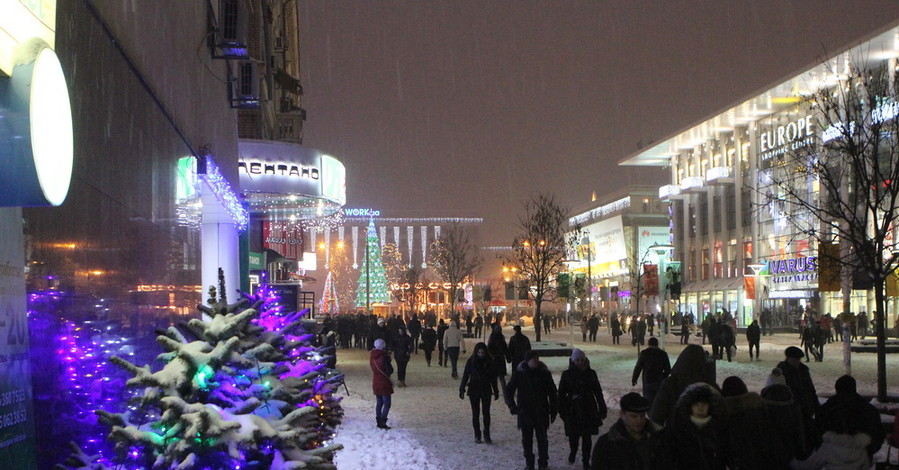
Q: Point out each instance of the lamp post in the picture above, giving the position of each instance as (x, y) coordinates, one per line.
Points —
(663, 252)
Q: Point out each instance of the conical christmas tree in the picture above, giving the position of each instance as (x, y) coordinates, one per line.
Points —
(250, 391)
(372, 277)
(329, 303)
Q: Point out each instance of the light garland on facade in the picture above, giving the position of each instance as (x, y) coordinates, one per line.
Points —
(410, 232)
(424, 247)
(396, 237)
(600, 211)
(225, 194)
(383, 236)
(355, 242)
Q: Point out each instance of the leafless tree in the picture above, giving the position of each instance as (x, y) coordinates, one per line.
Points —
(343, 279)
(540, 249)
(455, 259)
(839, 188)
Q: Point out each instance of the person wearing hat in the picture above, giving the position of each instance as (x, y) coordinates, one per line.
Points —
(532, 396)
(633, 442)
(798, 377)
(846, 415)
(695, 439)
(479, 378)
(582, 406)
(655, 365)
(519, 344)
(381, 385)
(379, 331)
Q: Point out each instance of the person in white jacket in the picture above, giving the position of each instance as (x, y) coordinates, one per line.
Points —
(838, 452)
(452, 341)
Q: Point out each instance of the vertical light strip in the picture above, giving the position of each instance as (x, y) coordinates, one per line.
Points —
(341, 232)
(225, 195)
(355, 243)
(424, 246)
(410, 236)
(383, 235)
(327, 249)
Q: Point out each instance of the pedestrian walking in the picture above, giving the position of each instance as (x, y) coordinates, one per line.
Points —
(633, 443)
(441, 350)
(453, 342)
(428, 342)
(693, 441)
(846, 415)
(402, 353)
(582, 406)
(414, 328)
(754, 337)
(692, 365)
(655, 366)
(532, 396)
(593, 326)
(798, 377)
(749, 434)
(480, 380)
(519, 344)
(381, 385)
(498, 351)
(615, 324)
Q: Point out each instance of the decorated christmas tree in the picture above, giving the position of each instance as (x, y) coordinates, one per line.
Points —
(242, 388)
(372, 277)
(329, 303)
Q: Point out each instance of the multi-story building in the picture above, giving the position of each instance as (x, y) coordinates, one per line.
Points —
(611, 240)
(724, 235)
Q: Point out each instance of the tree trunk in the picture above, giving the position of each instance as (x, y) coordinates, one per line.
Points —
(880, 331)
(538, 319)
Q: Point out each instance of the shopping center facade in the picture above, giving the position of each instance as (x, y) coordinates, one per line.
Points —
(736, 252)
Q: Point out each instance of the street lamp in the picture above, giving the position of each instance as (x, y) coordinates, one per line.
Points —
(663, 251)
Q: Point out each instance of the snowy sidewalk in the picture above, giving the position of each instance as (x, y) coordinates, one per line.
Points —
(432, 426)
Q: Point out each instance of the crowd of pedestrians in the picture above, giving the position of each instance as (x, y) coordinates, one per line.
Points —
(684, 419)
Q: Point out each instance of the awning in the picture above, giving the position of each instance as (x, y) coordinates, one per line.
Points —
(712, 285)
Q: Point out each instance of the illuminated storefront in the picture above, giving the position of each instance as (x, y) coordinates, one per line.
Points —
(734, 255)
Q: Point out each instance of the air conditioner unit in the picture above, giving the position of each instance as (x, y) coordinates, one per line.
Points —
(230, 34)
(245, 85)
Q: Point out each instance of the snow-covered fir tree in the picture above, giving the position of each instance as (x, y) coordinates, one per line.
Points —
(244, 387)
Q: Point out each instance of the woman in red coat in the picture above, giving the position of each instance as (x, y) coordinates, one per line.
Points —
(381, 385)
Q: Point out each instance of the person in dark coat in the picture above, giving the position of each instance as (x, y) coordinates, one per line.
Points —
(480, 379)
(532, 396)
(654, 364)
(428, 342)
(414, 328)
(848, 413)
(442, 360)
(582, 406)
(749, 434)
(381, 385)
(754, 337)
(593, 326)
(694, 440)
(402, 352)
(691, 366)
(633, 442)
(799, 379)
(499, 353)
(788, 436)
(519, 344)
(379, 331)
(726, 341)
(615, 324)
(715, 338)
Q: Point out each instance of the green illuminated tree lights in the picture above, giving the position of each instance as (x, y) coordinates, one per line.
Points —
(372, 277)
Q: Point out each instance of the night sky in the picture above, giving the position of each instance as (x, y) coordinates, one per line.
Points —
(465, 108)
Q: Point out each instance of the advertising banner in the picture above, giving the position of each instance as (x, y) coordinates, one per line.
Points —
(16, 409)
(649, 236)
(288, 242)
(651, 279)
(606, 242)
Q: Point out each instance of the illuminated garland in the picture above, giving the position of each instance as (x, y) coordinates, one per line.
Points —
(383, 239)
(372, 285)
(355, 243)
(424, 247)
(410, 233)
(224, 194)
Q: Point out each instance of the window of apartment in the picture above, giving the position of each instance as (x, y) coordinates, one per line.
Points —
(703, 214)
(718, 210)
(718, 267)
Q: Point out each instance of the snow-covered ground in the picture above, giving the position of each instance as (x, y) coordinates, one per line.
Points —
(432, 426)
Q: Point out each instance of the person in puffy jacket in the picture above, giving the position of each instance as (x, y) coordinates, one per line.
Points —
(479, 378)
(381, 385)
(695, 439)
(582, 406)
